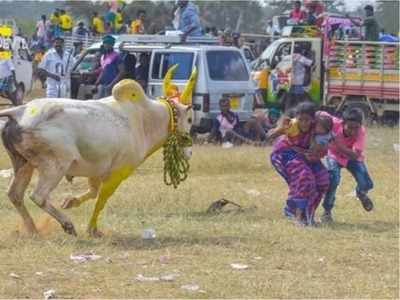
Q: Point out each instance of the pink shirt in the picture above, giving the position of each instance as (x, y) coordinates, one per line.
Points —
(356, 143)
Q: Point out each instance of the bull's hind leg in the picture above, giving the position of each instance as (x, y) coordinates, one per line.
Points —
(16, 193)
(107, 188)
(94, 184)
(50, 174)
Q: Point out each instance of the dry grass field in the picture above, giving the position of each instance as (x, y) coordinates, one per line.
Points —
(356, 257)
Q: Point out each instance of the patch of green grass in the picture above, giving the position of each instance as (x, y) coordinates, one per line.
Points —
(356, 257)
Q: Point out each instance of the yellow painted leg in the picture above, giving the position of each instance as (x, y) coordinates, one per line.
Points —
(94, 184)
(107, 188)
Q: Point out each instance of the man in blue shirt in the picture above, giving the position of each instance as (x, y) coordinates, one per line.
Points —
(189, 22)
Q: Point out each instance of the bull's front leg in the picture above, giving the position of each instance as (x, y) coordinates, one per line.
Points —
(107, 188)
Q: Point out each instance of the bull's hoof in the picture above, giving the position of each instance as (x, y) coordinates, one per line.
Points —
(70, 229)
(94, 233)
(69, 203)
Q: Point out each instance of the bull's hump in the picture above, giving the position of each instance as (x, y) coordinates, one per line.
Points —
(38, 112)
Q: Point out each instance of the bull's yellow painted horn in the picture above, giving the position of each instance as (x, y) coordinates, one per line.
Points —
(186, 96)
(168, 79)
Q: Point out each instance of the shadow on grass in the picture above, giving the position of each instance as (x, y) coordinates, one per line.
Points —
(137, 243)
(372, 227)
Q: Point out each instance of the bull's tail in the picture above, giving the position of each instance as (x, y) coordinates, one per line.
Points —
(11, 134)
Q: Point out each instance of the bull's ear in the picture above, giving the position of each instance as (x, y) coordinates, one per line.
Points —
(186, 96)
(168, 78)
(189, 107)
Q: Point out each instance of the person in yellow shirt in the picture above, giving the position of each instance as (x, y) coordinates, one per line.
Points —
(119, 20)
(97, 24)
(65, 21)
(55, 17)
(137, 26)
(55, 22)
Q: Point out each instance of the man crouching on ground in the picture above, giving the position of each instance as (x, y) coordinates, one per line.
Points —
(346, 151)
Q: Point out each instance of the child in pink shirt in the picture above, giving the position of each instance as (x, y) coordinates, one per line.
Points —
(347, 151)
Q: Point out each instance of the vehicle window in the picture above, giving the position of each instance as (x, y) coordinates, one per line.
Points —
(89, 62)
(248, 54)
(305, 49)
(270, 50)
(163, 61)
(283, 50)
(226, 66)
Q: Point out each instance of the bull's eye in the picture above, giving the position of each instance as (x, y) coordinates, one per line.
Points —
(190, 120)
(133, 95)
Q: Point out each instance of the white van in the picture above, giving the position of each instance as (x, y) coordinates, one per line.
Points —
(222, 71)
(21, 58)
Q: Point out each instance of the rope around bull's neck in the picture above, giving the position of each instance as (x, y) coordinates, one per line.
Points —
(176, 166)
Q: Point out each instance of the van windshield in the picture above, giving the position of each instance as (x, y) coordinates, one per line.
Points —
(226, 66)
(163, 61)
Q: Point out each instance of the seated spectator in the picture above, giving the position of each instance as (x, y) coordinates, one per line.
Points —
(297, 15)
(311, 16)
(225, 124)
(260, 123)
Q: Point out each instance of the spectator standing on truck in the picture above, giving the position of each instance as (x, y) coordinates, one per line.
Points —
(347, 151)
(55, 22)
(188, 19)
(370, 25)
(97, 24)
(137, 25)
(56, 66)
(311, 16)
(119, 20)
(66, 22)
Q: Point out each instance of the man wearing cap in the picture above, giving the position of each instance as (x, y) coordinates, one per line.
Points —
(56, 66)
(112, 68)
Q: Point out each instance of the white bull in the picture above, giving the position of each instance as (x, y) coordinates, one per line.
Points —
(103, 140)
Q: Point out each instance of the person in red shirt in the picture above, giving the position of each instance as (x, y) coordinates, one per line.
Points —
(347, 151)
(297, 15)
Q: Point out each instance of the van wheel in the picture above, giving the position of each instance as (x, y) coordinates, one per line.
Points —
(17, 98)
